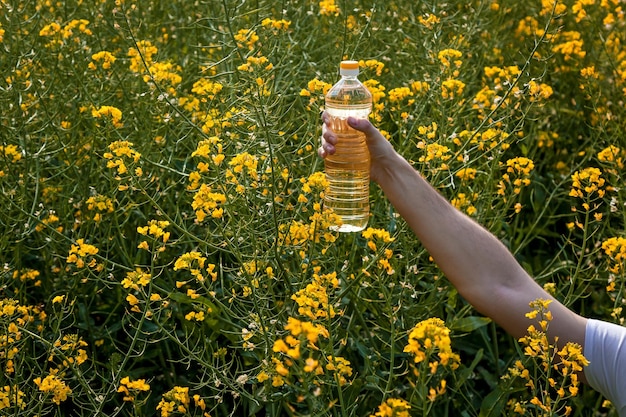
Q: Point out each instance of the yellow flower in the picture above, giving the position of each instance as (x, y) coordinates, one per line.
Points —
(434, 152)
(612, 154)
(206, 202)
(58, 299)
(398, 94)
(315, 182)
(615, 249)
(432, 336)
(11, 395)
(246, 38)
(429, 20)
(466, 174)
(54, 385)
(112, 113)
(570, 46)
(262, 376)
(393, 407)
(587, 182)
(312, 365)
(448, 57)
(372, 64)
(589, 72)
(281, 24)
(329, 8)
(135, 279)
(452, 88)
(175, 400)
(103, 57)
(463, 201)
(539, 91)
(140, 54)
(195, 315)
(11, 153)
(206, 88)
(163, 72)
(130, 388)
(82, 255)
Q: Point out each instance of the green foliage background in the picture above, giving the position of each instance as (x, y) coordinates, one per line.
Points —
(161, 218)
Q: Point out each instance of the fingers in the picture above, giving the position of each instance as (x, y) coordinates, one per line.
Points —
(329, 139)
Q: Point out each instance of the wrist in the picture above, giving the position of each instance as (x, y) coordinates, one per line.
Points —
(389, 169)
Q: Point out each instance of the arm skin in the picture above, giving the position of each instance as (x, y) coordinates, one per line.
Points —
(481, 268)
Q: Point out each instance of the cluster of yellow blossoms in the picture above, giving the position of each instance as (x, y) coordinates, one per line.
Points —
(82, 254)
(131, 388)
(615, 249)
(60, 35)
(558, 369)
(313, 301)
(104, 58)
(393, 407)
(195, 263)
(178, 401)
(430, 344)
(113, 114)
(520, 169)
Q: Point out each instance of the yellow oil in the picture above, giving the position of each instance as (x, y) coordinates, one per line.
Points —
(347, 172)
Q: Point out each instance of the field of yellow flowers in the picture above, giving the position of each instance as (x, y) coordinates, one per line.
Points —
(163, 246)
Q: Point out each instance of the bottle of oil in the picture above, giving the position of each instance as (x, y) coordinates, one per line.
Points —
(348, 170)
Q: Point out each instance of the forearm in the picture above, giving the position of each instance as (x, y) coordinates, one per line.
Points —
(481, 268)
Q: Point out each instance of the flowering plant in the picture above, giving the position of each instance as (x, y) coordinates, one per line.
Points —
(165, 249)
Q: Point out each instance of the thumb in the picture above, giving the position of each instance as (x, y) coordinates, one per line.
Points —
(362, 125)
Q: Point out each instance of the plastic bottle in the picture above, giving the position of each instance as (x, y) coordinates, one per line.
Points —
(348, 170)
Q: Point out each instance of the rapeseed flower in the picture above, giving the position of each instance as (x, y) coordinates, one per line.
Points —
(615, 249)
(570, 46)
(164, 73)
(313, 301)
(517, 174)
(135, 279)
(464, 202)
(208, 203)
(109, 112)
(53, 384)
(341, 367)
(587, 183)
(206, 88)
(130, 388)
(10, 152)
(281, 24)
(140, 54)
(393, 407)
(12, 396)
(329, 8)
(246, 38)
(176, 400)
(612, 155)
(430, 337)
(429, 20)
(104, 58)
(83, 254)
(374, 65)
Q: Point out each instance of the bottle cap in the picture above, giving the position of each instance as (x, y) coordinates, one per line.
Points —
(350, 68)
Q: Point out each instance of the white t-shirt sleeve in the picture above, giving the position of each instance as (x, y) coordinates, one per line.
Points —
(605, 349)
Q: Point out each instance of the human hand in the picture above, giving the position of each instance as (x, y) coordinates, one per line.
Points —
(381, 151)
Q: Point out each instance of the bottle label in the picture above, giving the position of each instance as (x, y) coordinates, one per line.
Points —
(343, 112)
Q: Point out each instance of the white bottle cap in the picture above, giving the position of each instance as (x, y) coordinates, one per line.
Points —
(349, 68)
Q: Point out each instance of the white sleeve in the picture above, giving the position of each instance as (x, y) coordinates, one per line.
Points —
(605, 349)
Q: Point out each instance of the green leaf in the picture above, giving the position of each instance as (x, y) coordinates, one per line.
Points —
(493, 403)
(469, 324)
